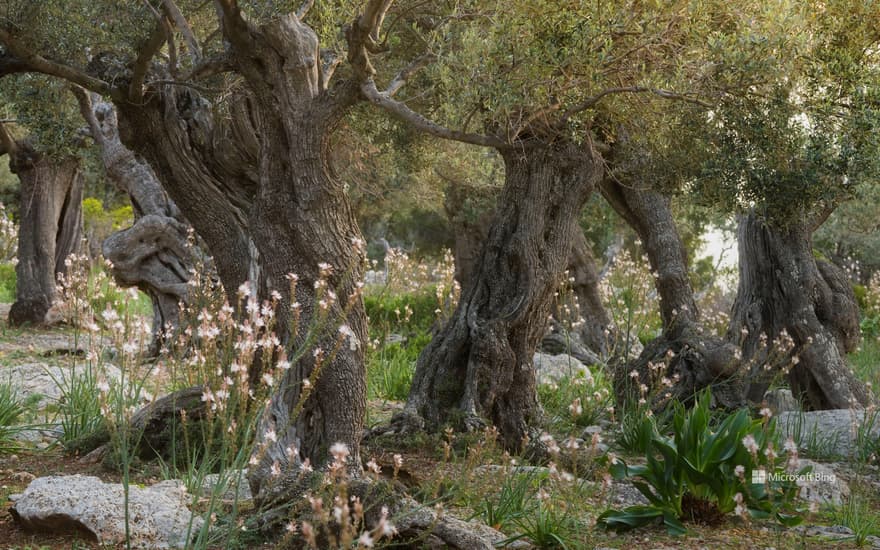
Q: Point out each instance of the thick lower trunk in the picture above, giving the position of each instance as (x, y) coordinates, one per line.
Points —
(153, 254)
(784, 290)
(50, 230)
(301, 223)
(479, 367)
(472, 218)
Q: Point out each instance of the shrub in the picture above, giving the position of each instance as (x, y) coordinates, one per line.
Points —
(704, 472)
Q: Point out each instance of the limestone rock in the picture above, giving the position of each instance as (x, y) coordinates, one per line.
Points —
(832, 432)
(781, 400)
(158, 516)
(552, 368)
(48, 381)
(244, 489)
(823, 485)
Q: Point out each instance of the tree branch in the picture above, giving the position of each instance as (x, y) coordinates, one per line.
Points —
(402, 112)
(593, 101)
(87, 111)
(304, 9)
(142, 63)
(209, 67)
(401, 78)
(235, 28)
(173, 13)
(363, 36)
(328, 66)
(7, 142)
(33, 62)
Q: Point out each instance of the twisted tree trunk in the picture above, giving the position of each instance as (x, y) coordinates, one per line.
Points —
(479, 367)
(153, 254)
(695, 360)
(301, 223)
(469, 211)
(784, 289)
(207, 167)
(50, 226)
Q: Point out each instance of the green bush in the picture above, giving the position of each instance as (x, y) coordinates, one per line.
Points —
(7, 282)
(404, 314)
(11, 411)
(704, 472)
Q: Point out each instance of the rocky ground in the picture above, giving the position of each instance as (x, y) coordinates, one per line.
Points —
(56, 500)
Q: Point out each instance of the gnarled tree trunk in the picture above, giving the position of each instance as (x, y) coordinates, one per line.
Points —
(50, 226)
(480, 365)
(698, 360)
(469, 212)
(153, 254)
(207, 167)
(783, 288)
(301, 219)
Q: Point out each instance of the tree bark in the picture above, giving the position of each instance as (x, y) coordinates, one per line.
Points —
(301, 219)
(471, 216)
(153, 254)
(50, 226)
(206, 165)
(479, 367)
(597, 332)
(784, 289)
(689, 357)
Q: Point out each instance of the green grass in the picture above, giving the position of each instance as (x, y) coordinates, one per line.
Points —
(866, 362)
(12, 409)
(7, 283)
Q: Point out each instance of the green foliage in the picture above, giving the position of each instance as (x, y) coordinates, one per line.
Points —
(11, 411)
(577, 401)
(857, 514)
(515, 500)
(694, 474)
(79, 408)
(7, 282)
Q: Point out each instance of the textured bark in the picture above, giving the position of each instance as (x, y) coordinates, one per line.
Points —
(697, 359)
(783, 287)
(206, 166)
(648, 213)
(479, 367)
(300, 218)
(472, 217)
(469, 210)
(50, 227)
(153, 254)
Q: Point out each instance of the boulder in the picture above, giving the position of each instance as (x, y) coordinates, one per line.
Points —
(781, 400)
(243, 492)
(48, 381)
(158, 516)
(822, 485)
(552, 368)
(830, 433)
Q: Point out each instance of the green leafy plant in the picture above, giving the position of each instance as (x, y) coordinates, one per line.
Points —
(515, 500)
(856, 514)
(705, 471)
(11, 411)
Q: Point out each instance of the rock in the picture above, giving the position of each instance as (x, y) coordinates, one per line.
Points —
(158, 515)
(48, 381)
(830, 433)
(623, 494)
(373, 277)
(781, 400)
(230, 493)
(552, 368)
(822, 485)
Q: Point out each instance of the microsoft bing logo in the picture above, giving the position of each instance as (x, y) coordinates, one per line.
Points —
(759, 477)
